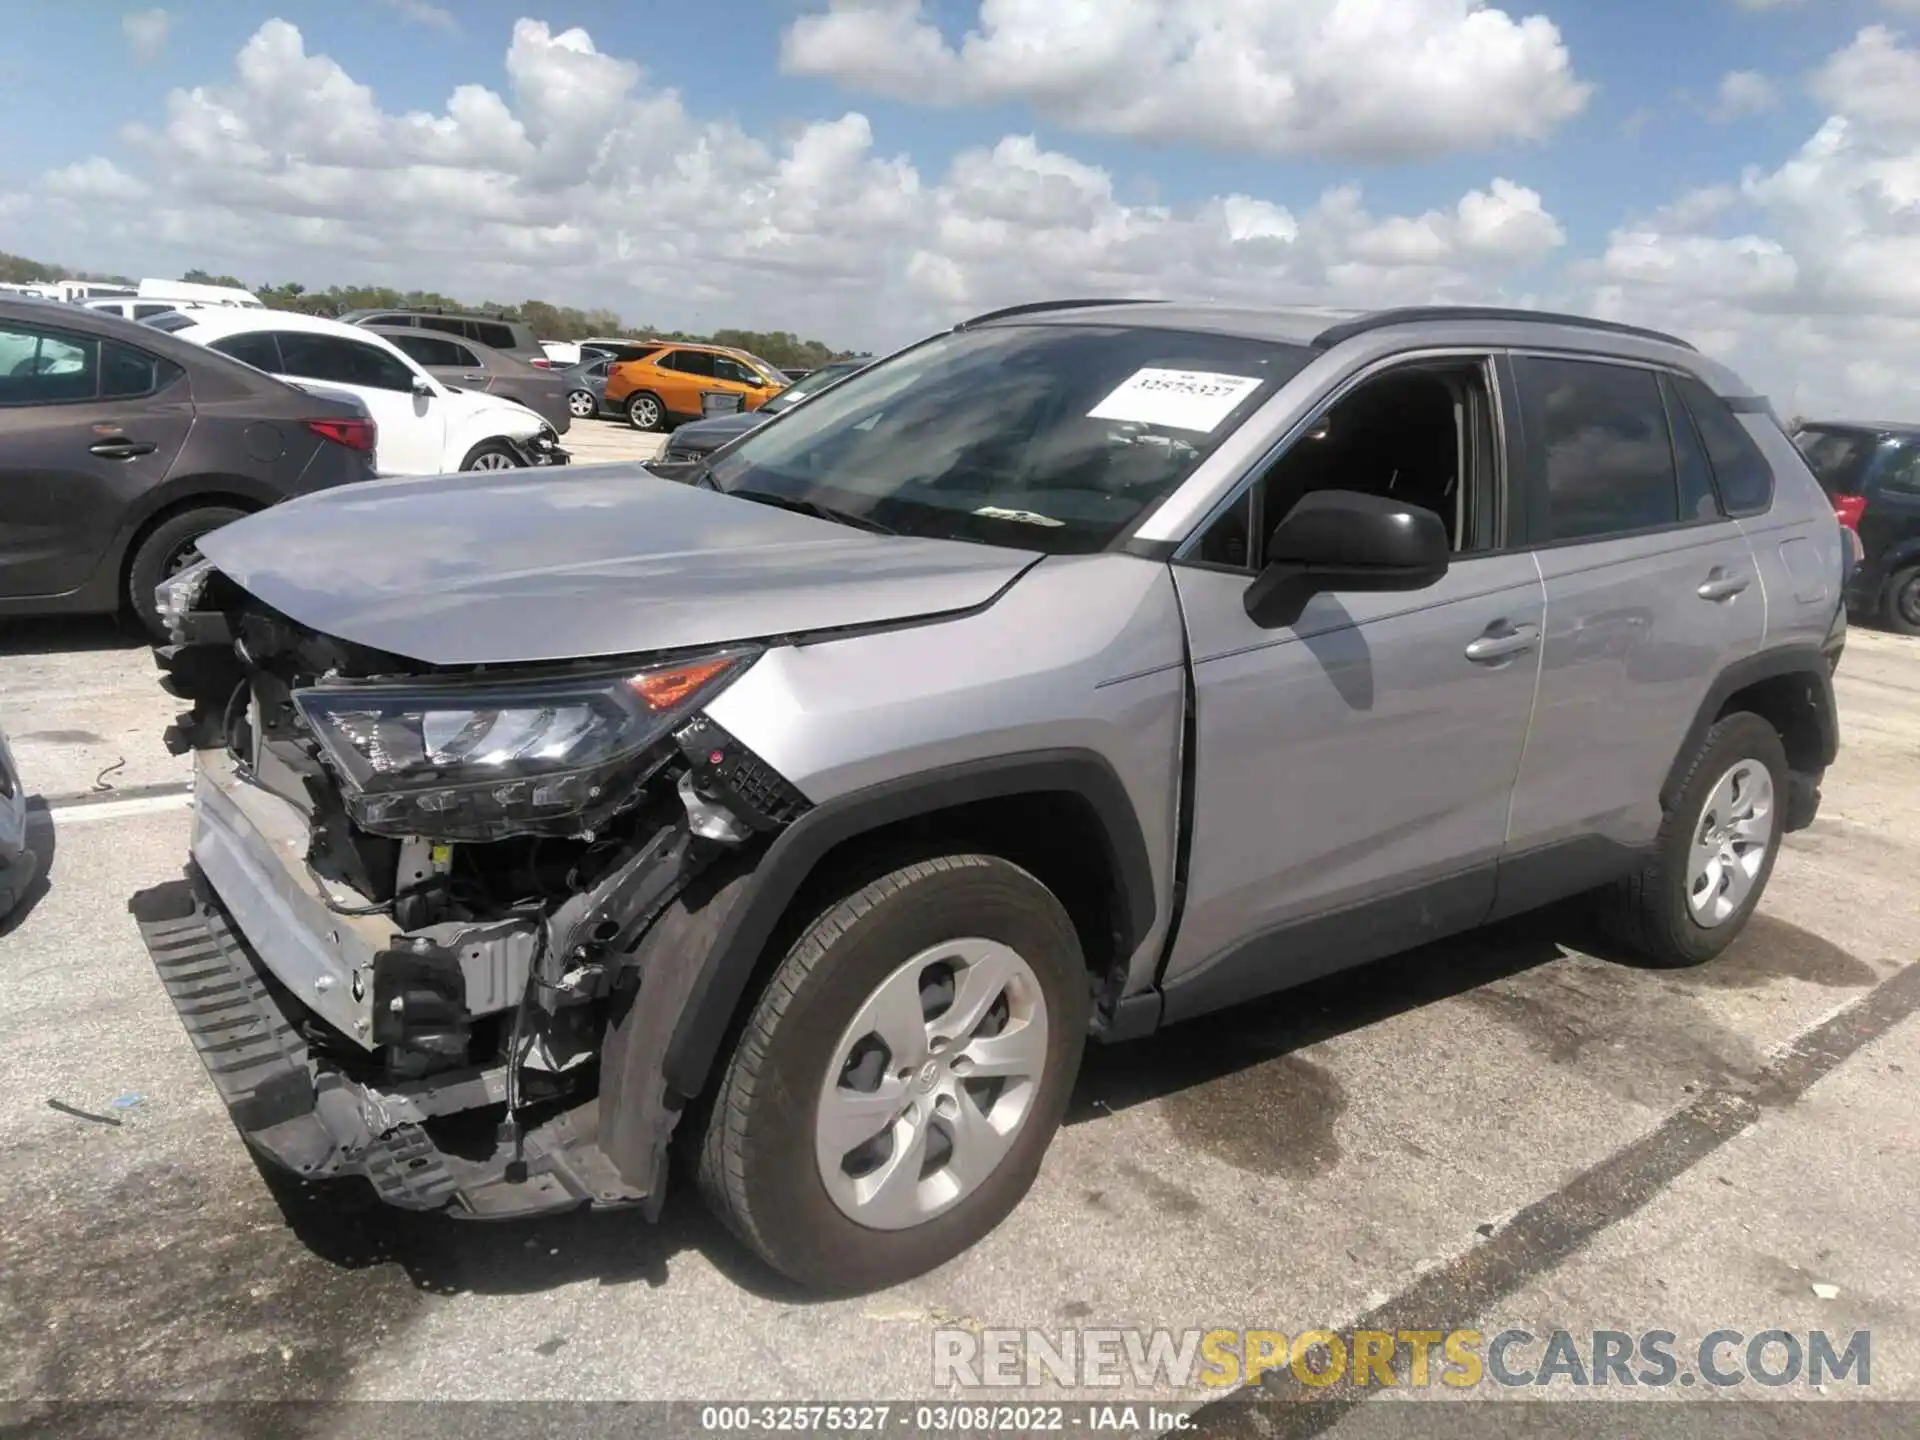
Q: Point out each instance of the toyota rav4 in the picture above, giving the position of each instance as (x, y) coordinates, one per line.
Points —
(1081, 670)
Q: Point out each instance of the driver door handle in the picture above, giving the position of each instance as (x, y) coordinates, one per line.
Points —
(1503, 644)
(121, 449)
(1719, 585)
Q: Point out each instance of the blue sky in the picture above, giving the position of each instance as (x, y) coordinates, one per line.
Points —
(1047, 170)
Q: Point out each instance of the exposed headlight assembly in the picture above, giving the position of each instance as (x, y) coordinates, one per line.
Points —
(462, 761)
(176, 595)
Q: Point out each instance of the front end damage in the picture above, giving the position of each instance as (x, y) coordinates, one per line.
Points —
(439, 922)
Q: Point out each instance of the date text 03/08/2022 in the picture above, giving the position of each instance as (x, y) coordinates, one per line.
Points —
(940, 1418)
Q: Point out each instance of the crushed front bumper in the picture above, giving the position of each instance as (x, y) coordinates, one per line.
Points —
(253, 961)
(314, 1121)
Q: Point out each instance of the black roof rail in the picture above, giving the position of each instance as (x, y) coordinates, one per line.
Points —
(1037, 307)
(1416, 314)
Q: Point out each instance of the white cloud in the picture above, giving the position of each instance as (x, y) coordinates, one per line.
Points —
(146, 32)
(1375, 79)
(588, 183)
(420, 12)
(1806, 274)
(1743, 93)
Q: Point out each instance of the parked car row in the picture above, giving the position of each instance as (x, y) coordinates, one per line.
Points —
(122, 443)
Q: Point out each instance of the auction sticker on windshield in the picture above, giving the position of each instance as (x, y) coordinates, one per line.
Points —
(1179, 399)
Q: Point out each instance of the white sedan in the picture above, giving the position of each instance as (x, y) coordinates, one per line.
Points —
(425, 427)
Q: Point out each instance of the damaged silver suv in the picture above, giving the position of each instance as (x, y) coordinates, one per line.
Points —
(1083, 669)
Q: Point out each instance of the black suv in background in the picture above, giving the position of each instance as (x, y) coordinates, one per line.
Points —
(496, 332)
(1872, 474)
(121, 446)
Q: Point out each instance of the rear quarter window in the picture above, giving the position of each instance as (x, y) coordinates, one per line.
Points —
(499, 337)
(1741, 471)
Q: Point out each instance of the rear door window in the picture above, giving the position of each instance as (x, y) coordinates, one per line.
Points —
(128, 374)
(429, 349)
(343, 361)
(690, 362)
(259, 350)
(1598, 434)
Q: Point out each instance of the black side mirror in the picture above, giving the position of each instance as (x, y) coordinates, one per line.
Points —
(1335, 540)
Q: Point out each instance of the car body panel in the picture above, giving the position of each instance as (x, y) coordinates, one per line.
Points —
(1359, 696)
(19, 861)
(1082, 653)
(681, 391)
(610, 560)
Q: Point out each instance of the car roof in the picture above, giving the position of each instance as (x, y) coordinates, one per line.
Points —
(1904, 429)
(410, 332)
(1325, 329)
(436, 314)
(235, 320)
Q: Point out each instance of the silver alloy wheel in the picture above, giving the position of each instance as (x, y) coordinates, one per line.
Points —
(580, 404)
(644, 411)
(493, 460)
(924, 1094)
(1730, 843)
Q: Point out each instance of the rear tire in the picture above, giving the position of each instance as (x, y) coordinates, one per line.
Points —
(1714, 854)
(169, 546)
(645, 412)
(1903, 601)
(1003, 948)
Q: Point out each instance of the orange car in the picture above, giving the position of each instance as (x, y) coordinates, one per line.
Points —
(658, 390)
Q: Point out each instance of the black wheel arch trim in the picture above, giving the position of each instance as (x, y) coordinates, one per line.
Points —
(1806, 661)
(785, 866)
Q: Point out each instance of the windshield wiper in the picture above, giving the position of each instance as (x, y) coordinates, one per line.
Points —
(815, 509)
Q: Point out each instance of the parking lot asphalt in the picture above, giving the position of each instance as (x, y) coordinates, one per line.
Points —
(1512, 1129)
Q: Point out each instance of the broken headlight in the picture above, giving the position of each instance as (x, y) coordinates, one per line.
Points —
(176, 595)
(476, 762)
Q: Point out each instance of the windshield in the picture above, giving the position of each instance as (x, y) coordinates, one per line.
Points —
(801, 389)
(1044, 437)
(769, 372)
(1838, 458)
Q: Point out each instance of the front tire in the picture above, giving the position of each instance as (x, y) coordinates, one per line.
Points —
(581, 404)
(169, 546)
(1903, 601)
(491, 455)
(900, 1077)
(1715, 850)
(645, 412)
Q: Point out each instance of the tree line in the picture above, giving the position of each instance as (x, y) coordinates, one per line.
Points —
(549, 322)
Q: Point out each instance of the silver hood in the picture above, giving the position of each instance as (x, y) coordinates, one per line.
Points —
(505, 566)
